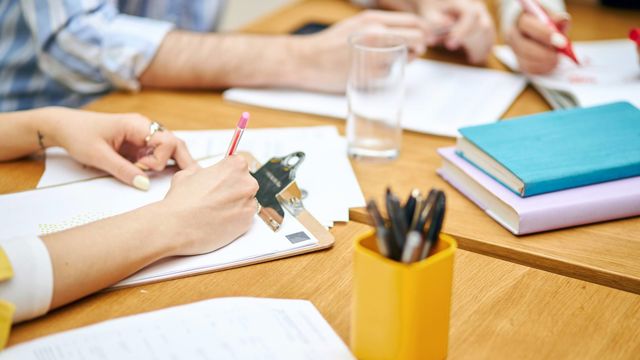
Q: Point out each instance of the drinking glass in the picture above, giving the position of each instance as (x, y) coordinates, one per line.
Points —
(375, 92)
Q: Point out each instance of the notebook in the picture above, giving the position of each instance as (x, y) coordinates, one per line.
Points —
(223, 328)
(57, 208)
(434, 92)
(584, 205)
(557, 150)
(609, 72)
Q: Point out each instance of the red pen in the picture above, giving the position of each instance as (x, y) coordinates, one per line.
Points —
(235, 140)
(634, 35)
(560, 42)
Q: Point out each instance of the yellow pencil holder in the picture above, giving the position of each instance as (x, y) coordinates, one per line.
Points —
(401, 311)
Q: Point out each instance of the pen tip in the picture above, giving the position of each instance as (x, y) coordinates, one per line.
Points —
(569, 52)
(244, 119)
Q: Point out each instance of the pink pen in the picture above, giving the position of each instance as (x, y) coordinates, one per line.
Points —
(563, 44)
(235, 140)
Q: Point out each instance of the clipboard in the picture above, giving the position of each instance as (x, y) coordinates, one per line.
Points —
(290, 199)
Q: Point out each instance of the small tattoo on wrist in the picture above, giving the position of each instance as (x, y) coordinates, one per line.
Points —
(40, 138)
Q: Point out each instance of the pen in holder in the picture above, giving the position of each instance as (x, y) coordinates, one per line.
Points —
(400, 307)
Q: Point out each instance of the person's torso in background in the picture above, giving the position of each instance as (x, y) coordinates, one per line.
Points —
(23, 85)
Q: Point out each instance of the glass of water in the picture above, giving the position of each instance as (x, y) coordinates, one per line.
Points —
(375, 91)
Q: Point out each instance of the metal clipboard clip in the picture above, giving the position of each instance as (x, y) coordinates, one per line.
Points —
(278, 188)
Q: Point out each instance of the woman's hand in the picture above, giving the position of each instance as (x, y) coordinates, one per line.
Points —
(114, 143)
(205, 210)
(210, 207)
(535, 44)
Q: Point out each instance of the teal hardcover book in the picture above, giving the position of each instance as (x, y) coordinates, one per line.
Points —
(557, 150)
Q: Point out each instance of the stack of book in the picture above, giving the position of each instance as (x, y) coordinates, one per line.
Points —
(551, 170)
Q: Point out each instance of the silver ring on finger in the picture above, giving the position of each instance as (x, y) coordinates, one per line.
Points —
(154, 127)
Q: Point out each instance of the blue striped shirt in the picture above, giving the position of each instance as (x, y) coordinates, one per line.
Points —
(67, 52)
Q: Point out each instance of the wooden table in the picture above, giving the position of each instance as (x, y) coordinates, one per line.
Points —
(500, 309)
(605, 253)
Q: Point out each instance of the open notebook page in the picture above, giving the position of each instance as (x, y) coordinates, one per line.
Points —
(224, 328)
(609, 72)
(326, 174)
(440, 97)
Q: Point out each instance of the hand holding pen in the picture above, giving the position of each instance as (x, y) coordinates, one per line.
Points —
(411, 233)
(537, 37)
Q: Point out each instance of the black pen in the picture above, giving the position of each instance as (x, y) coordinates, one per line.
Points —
(410, 206)
(382, 233)
(433, 234)
(398, 225)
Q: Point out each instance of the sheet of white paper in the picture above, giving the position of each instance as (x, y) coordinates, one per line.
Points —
(259, 241)
(44, 211)
(60, 168)
(434, 93)
(609, 72)
(224, 328)
(326, 174)
(589, 95)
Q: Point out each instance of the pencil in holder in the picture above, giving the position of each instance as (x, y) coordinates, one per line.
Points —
(401, 311)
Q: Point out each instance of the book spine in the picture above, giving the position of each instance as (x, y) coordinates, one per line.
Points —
(600, 176)
(461, 154)
(573, 214)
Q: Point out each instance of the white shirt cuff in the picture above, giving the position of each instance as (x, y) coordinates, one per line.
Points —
(131, 43)
(31, 287)
(510, 11)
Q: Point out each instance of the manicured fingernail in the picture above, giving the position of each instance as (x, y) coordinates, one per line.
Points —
(141, 182)
(558, 40)
(565, 15)
(142, 166)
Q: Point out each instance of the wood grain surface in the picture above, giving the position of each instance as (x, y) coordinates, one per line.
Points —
(500, 309)
(603, 253)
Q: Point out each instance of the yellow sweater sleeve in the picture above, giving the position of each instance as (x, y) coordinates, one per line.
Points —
(6, 308)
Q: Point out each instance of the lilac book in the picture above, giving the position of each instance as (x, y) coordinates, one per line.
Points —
(577, 206)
